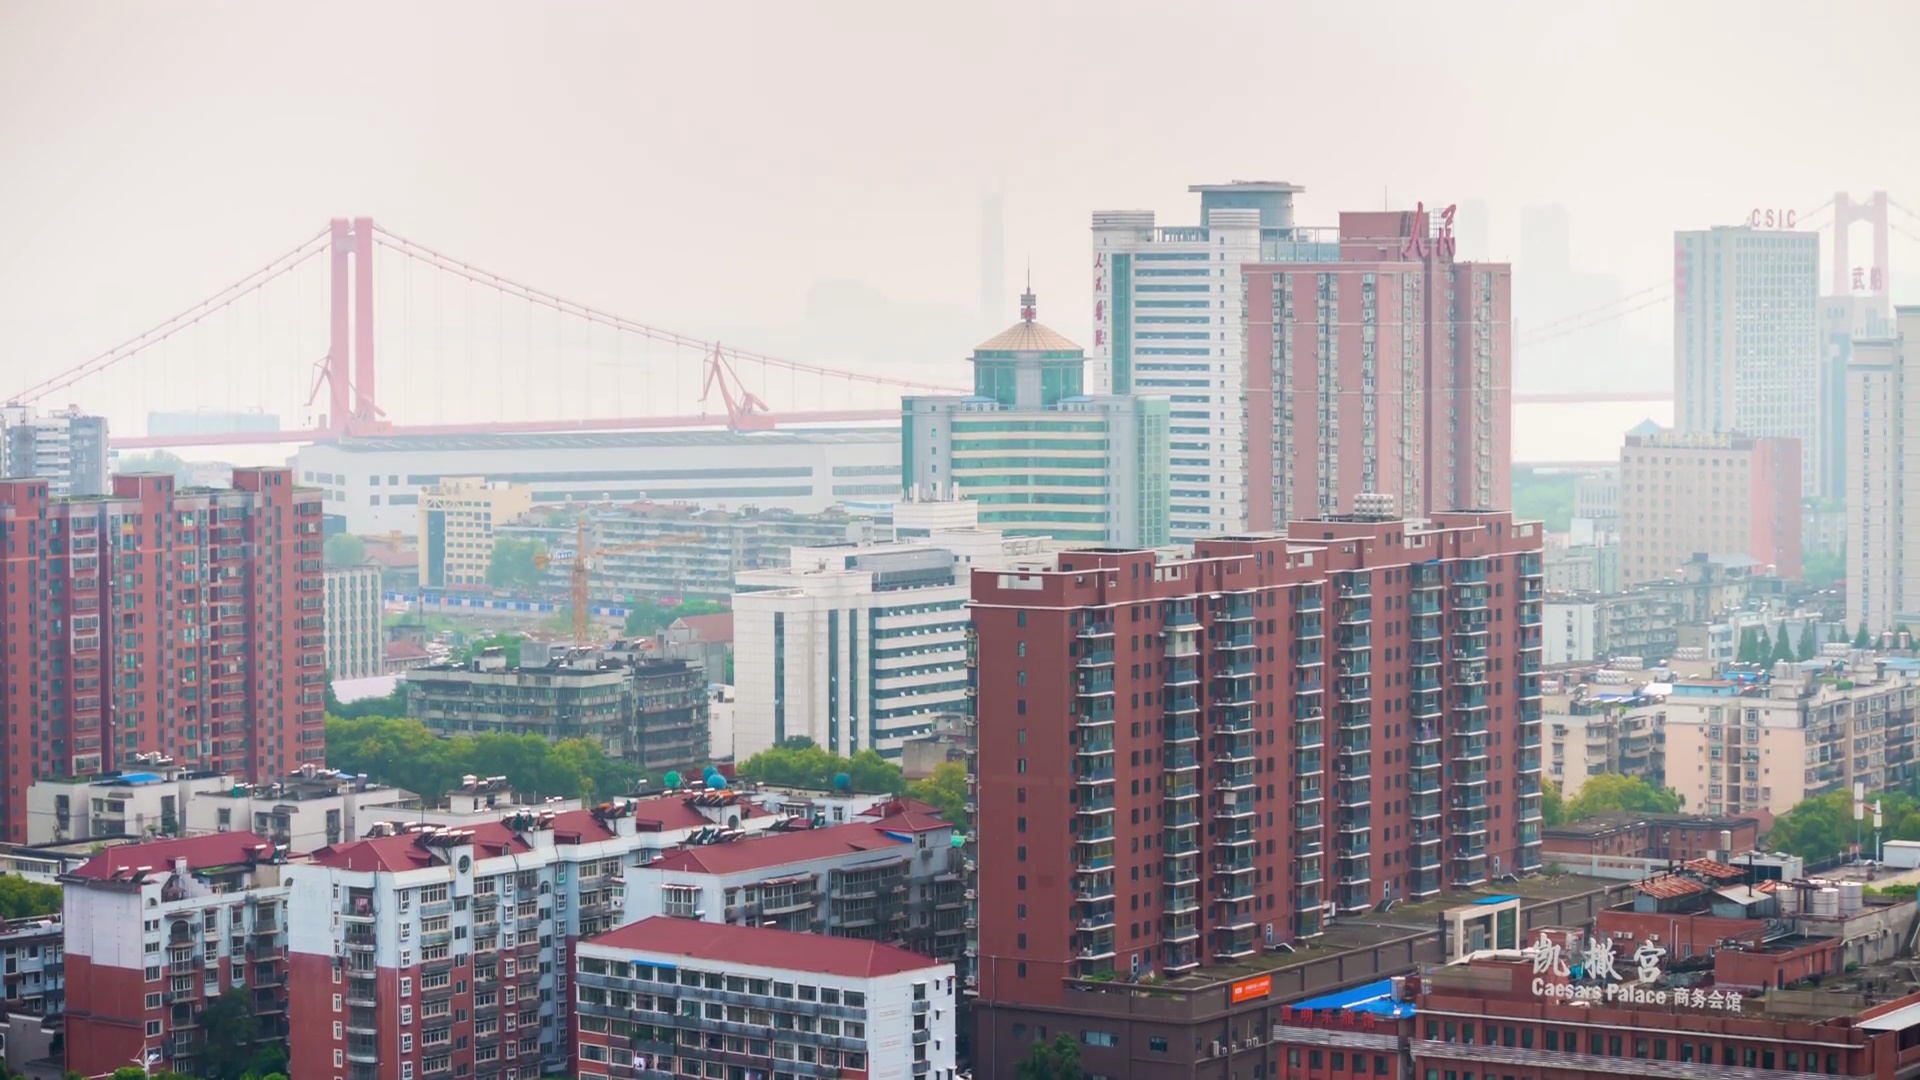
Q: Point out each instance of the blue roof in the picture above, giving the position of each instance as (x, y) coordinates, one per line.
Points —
(1374, 998)
(138, 778)
(1495, 899)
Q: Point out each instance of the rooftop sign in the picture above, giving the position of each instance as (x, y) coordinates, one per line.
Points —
(1594, 977)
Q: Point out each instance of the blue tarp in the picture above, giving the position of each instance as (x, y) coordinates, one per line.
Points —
(1374, 998)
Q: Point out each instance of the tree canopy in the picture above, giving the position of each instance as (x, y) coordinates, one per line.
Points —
(508, 644)
(1553, 805)
(345, 549)
(405, 754)
(646, 617)
(1611, 791)
(1056, 1060)
(23, 899)
(512, 564)
(799, 762)
(946, 790)
(393, 703)
(1823, 826)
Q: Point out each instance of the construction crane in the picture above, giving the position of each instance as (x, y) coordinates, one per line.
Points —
(583, 563)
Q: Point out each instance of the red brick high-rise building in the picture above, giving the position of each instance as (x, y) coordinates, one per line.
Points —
(186, 622)
(1241, 745)
(1389, 371)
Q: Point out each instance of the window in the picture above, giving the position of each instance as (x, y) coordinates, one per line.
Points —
(153, 1028)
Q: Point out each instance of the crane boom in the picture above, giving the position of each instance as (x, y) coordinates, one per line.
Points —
(582, 564)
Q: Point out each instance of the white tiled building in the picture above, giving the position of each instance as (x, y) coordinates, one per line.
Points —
(354, 637)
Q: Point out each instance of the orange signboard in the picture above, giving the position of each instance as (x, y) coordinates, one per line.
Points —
(1251, 989)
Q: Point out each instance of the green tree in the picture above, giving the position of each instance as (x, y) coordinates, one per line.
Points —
(393, 703)
(1056, 1060)
(159, 461)
(800, 763)
(514, 563)
(508, 644)
(231, 1030)
(646, 617)
(1553, 805)
(23, 899)
(130, 1072)
(345, 549)
(1753, 648)
(946, 791)
(406, 754)
(1807, 647)
(1782, 647)
(1611, 791)
(1861, 640)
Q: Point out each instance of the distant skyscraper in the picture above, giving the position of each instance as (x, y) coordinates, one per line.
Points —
(1166, 320)
(1843, 320)
(1746, 337)
(1565, 309)
(1474, 228)
(67, 449)
(993, 262)
(1883, 444)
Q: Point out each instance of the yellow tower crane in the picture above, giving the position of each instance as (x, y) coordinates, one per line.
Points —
(583, 563)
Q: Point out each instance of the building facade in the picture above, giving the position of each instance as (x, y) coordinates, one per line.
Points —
(456, 525)
(1746, 338)
(355, 635)
(373, 485)
(1389, 372)
(650, 712)
(1596, 498)
(1571, 625)
(660, 999)
(1591, 737)
(1883, 404)
(1149, 703)
(68, 449)
(893, 877)
(1039, 453)
(853, 647)
(1685, 494)
(187, 623)
(1733, 750)
(1167, 321)
(156, 932)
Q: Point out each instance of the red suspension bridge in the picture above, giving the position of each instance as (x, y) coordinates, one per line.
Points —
(258, 342)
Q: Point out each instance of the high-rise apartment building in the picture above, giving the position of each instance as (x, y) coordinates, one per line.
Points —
(1387, 371)
(1746, 337)
(1167, 321)
(1687, 494)
(188, 623)
(156, 932)
(355, 635)
(457, 519)
(1883, 476)
(1191, 760)
(1843, 320)
(1039, 453)
(67, 449)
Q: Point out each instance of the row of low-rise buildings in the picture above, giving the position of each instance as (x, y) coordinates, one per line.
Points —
(535, 943)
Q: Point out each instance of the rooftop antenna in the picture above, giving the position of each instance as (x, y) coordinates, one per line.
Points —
(1027, 304)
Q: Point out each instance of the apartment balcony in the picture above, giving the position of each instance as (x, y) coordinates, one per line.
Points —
(1235, 781)
(1423, 759)
(1095, 801)
(1180, 702)
(1182, 732)
(1472, 797)
(1236, 943)
(1466, 822)
(1307, 735)
(1093, 712)
(1091, 857)
(1426, 656)
(1354, 821)
(1308, 653)
(1174, 928)
(1529, 612)
(1180, 787)
(1235, 639)
(1088, 774)
(1095, 745)
(1309, 870)
(1096, 917)
(1308, 818)
(1425, 804)
(1096, 657)
(1097, 682)
(1350, 794)
(1309, 793)
(1093, 884)
(1096, 632)
(1094, 831)
(1183, 670)
(1180, 899)
(1423, 883)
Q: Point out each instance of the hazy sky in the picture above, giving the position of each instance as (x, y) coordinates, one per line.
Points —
(701, 166)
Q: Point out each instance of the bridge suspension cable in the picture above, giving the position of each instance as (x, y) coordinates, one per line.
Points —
(219, 301)
(446, 263)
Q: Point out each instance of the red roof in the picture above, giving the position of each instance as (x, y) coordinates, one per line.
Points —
(490, 839)
(717, 627)
(728, 945)
(771, 849)
(201, 853)
(1670, 887)
(402, 649)
(665, 813)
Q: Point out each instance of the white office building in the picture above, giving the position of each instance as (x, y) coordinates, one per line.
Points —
(354, 634)
(1167, 314)
(1746, 337)
(859, 647)
(68, 449)
(374, 485)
